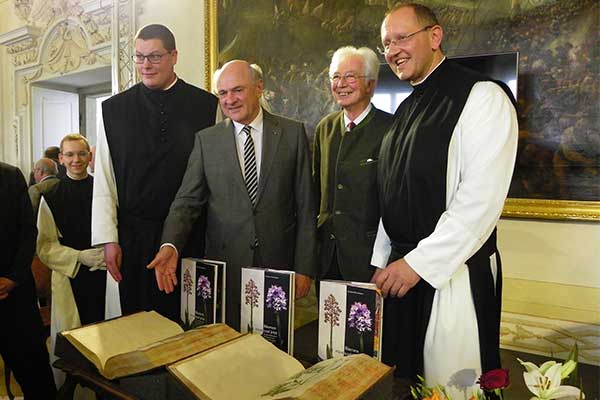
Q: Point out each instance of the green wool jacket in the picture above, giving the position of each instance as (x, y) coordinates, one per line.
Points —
(345, 175)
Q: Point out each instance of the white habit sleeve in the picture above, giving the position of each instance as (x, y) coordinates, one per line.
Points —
(481, 157)
(58, 258)
(105, 200)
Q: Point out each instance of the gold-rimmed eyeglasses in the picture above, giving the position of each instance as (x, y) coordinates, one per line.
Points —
(348, 77)
(400, 39)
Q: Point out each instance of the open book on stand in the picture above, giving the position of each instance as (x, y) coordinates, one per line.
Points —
(267, 305)
(350, 319)
(202, 292)
(138, 342)
(250, 368)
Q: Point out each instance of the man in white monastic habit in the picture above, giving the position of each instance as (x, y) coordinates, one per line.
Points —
(444, 171)
(64, 245)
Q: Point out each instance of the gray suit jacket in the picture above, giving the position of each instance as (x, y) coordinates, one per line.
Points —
(36, 191)
(283, 219)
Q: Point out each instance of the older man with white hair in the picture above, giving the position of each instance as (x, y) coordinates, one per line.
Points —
(346, 149)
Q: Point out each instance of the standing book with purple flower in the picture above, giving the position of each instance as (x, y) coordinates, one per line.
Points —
(350, 319)
(267, 305)
(202, 292)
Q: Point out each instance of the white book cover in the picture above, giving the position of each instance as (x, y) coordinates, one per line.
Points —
(252, 300)
(267, 305)
(350, 319)
(332, 314)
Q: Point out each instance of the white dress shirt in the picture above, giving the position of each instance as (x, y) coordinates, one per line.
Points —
(256, 131)
(358, 119)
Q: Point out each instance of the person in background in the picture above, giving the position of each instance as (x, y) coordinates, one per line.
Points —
(64, 245)
(52, 153)
(22, 337)
(44, 173)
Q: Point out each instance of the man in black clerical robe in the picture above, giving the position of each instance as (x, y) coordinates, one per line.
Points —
(64, 245)
(346, 150)
(139, 166)
(444, 171)
(22, 338)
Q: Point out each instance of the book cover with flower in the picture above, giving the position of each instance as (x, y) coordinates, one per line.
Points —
(278, 313)
(350, 319)
(361, 306)
(202, 292)
(252, 300)
(332, 314)
(267, 305)
(206, 279)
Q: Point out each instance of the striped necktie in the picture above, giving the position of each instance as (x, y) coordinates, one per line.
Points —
(250, 173)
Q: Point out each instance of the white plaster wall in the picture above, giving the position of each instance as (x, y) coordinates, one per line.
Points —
(186, 19)
(8, 22)
(551, 251)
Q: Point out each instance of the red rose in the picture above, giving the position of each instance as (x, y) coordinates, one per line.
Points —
(494, 379)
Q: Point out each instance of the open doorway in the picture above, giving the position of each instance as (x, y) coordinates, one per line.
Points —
(68, 104)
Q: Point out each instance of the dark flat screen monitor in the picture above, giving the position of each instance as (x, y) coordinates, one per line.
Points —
(499, 66)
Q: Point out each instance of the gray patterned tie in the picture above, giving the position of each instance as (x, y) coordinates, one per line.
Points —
(250, 173)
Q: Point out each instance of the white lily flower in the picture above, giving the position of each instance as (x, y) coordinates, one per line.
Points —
(544, 382)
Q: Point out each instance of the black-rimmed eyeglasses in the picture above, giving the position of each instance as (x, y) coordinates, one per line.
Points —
(152, 58)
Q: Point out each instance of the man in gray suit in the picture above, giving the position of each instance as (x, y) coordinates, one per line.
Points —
(256, 189)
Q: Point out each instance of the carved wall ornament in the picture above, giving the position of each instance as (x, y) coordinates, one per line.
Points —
(23, 8)
(60, 37)
(67, 46)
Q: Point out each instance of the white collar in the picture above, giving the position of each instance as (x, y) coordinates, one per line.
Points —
(256, 124)
(358, 119)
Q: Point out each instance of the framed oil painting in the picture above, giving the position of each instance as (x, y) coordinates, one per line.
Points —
(557, 173)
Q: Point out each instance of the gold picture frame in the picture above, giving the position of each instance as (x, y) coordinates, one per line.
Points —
(513, 207)
(552, 209)
(211, 42)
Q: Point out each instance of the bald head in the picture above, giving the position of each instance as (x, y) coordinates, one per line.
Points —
(239, 87)
(44, 167)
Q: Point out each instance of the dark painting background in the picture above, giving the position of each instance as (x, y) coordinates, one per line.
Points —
(558, 41)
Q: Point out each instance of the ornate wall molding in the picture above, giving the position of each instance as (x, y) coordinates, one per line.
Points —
(60, 37)
(550, 337)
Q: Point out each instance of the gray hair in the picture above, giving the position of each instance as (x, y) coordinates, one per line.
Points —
(370, 60)
(47, 166)
(255, 70)
(256, 74)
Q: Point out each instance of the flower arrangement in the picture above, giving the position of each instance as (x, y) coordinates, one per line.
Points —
(543, 381)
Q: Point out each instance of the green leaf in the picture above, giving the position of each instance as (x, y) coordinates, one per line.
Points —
(574, 356)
